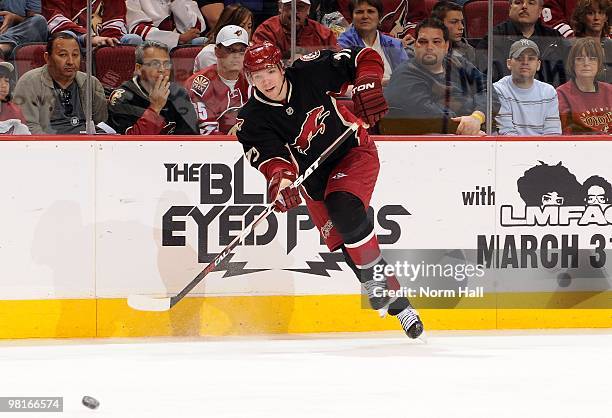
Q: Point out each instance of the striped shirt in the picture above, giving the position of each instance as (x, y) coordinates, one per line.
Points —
(531, 111)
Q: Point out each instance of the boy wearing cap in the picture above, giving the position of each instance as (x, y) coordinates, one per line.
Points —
(310, 34)
(220, 90)
(528, 106)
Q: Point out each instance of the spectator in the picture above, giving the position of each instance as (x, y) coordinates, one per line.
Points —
(211, 10)
(556, 15)
(585, 104)
(366, 16)
(21, 23)
(433, 89)
(149, 104)
(524, 23)
(451, 14)
(310, 35)
(234, 14)
(591, 18)
(219, 91)
(12, 120)
(528, 106)
(173, 23)
(108, 23)
(53, 96)
(399, 17)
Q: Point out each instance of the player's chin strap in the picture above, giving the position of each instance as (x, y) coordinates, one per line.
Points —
(150, 303)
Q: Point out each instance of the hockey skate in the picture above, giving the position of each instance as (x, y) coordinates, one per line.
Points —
(378, 294)
(411, 322)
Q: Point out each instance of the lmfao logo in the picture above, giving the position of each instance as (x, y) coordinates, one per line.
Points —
(554, 197)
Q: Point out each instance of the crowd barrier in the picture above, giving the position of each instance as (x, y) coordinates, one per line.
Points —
(88, 221)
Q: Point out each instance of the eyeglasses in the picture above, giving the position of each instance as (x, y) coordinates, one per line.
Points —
(65, 97)
(157, 65)
(595, 199)
(552, 200)
(582, 60)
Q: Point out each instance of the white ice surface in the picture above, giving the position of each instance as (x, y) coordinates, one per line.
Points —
(454, 374)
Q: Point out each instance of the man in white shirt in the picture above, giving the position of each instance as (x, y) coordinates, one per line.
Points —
(528, 106)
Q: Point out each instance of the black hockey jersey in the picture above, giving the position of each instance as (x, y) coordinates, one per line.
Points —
(299, 130)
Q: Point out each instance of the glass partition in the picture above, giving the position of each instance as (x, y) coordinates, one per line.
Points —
(482, 59)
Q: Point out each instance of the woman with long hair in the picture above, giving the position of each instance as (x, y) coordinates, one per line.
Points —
(585, 104)
(592, 18)
(234, 14)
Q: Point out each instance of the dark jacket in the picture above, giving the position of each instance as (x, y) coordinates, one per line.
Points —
(129, 112)
(553, 52)
(425, 102)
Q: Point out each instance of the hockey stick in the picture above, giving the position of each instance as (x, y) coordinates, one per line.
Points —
(150, 303)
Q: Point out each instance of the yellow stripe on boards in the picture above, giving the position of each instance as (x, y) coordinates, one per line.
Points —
(48, 318)
(251, 315)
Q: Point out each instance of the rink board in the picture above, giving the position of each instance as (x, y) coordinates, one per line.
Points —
(87, 223)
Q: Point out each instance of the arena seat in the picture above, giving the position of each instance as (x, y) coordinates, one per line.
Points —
(183, 57)
(30, 56)
(114, 65)
(475, 13)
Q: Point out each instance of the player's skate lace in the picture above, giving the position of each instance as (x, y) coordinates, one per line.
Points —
(411, 322)
(377, 293)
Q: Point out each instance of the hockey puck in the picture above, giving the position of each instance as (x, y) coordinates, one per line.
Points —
(91, 403)
(564, 279)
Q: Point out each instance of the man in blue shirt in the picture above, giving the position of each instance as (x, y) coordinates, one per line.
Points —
(20, 22)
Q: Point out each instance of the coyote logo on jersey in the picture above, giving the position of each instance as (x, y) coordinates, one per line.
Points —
(312, 126)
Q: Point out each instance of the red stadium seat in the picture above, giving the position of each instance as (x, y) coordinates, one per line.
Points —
(114, 65)
(183, 57)
(475, 13)
(30, 56)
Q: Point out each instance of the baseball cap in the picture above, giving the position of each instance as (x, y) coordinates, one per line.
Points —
(232, 34)
(518, 47)
(297, 1)
(7, 65)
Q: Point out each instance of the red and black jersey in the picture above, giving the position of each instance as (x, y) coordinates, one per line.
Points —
(130, 112)
(296, 132)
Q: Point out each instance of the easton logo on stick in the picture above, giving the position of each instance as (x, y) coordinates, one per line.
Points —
(312, 126)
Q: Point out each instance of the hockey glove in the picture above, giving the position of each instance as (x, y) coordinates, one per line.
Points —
(370, 104)
(280, 192)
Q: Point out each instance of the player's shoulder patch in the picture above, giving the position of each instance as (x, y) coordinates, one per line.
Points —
(343, 53)
(116, 96)
(199, 84)
(311, 56)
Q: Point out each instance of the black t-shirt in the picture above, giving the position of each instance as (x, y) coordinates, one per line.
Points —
(67, 116)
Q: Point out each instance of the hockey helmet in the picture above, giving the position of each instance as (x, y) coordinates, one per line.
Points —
(260, 56)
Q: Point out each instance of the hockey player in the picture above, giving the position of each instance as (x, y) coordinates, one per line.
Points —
(220, 90)
(290, 120)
